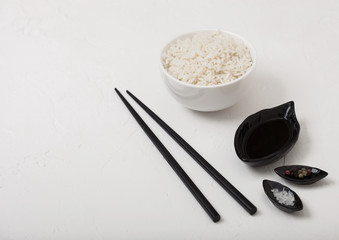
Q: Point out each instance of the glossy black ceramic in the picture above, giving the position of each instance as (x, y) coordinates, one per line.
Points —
(314, 175)
(281, 127)
(269, 185)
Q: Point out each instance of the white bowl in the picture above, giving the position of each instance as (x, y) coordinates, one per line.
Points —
(209, 98)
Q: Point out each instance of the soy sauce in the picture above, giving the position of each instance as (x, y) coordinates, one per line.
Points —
(267, 138)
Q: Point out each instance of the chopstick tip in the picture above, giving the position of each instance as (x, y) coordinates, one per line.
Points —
(253, 210)
(216, 218)
(118, 92)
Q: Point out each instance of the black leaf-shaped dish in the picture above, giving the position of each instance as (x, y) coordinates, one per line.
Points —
(282, 197)
(268, 135)
(300, 174)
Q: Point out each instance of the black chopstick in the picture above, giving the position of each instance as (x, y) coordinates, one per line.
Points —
(238, 196)
(214, 215)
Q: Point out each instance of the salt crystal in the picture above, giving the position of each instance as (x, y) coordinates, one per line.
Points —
(284, 197)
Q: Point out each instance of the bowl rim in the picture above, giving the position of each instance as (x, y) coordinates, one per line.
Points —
(247, 43)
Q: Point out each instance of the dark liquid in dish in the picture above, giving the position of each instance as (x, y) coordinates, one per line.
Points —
(267, 138)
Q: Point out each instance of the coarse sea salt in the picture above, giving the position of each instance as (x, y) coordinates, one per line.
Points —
(284, 197)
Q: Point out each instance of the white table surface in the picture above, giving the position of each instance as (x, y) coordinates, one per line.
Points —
(74, 163)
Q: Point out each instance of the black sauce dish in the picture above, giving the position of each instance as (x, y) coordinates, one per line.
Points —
(268, 135)
(301, 174)
(275, 186)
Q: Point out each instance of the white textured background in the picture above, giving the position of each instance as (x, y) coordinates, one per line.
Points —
(75, 165)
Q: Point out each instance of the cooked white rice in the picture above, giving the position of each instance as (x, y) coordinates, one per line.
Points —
(207, 58)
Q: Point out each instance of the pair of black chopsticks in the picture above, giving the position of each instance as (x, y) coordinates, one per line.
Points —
(241, 199)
